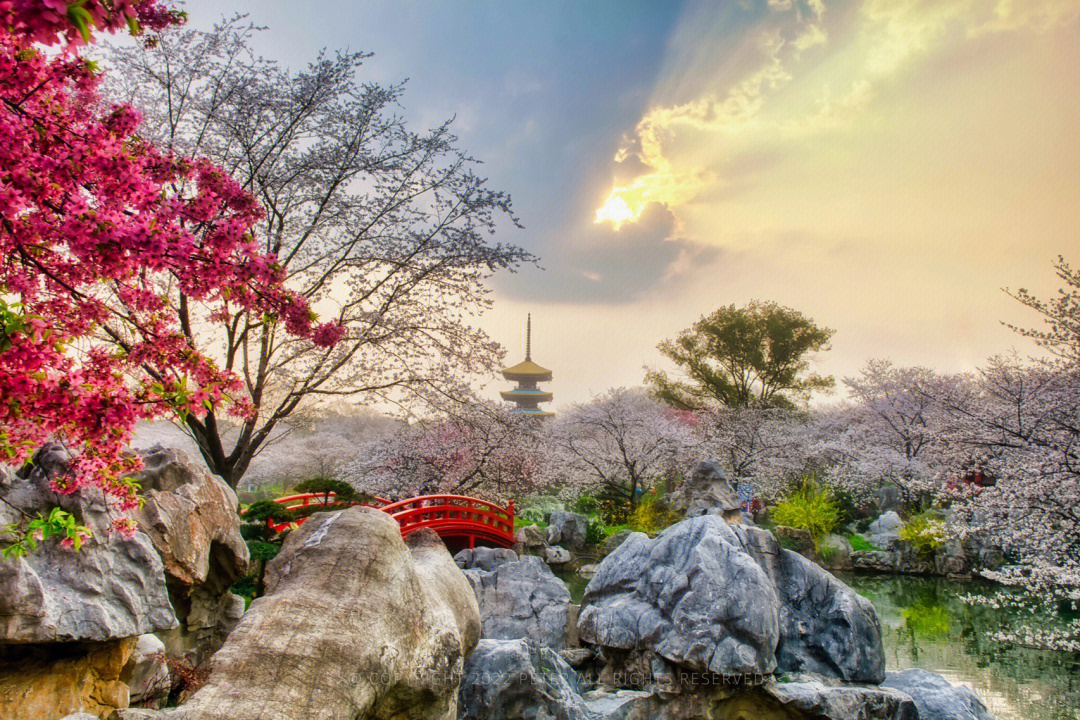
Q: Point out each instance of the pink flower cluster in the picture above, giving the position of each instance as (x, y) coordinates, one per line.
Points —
(95, 225)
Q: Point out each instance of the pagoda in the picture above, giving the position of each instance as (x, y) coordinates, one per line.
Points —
(527, 374)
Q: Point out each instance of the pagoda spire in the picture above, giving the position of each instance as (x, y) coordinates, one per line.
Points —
(527, 396)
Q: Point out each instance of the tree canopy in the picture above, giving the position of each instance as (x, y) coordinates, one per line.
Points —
(752, 356)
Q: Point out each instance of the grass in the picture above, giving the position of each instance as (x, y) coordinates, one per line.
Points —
(520, 523)
(861, 544)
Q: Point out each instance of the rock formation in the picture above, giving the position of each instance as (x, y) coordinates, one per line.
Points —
(190, 515)
(936, 697)
(707, 491)
(708, 597)
(522, 599)
(355, 623)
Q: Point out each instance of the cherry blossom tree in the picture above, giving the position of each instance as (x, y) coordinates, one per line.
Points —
(620, 443)
(90, 211)
(892, 431)
(386, 229)
(473, 448)
(768, 448)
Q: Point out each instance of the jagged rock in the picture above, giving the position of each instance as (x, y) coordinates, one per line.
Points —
(613, 541)
(522, 599)
(531, 537)
(355, 622)
(619, 705)
(484, 558)
(803, 700)
(936, 697)
(692, 596)
(113, 587)
(711, 597)
(567, 529)
(910, 560)
(815, 699)
(707, 491)
(801, 540)
(190, 515)
(885, 531)
(519, 680)
(557, 556)
(835, 552)
(874, 560)
(951, 559)
(48, 681)
(147, 672)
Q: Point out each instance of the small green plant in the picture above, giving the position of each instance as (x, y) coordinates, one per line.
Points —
(861, 544)
(826, 552)
(57, 523)
(925, 532)
(808, 507)
(594, 531)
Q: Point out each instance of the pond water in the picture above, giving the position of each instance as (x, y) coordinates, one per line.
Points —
(924, 624)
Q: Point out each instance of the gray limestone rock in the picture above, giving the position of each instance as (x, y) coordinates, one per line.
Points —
(519, 680)
(522, 599)
(936, 697)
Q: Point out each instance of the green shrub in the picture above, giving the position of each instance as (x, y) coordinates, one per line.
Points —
(342, 490)
(861, 544)
(587, 505)
(262, 510)
(537, 508)
(594, 531)
(925, 532)
(615, 511)
(808, 507)
(651, 516)
(826, 552)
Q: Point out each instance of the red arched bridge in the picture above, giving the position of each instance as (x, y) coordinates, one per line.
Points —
(461, 521)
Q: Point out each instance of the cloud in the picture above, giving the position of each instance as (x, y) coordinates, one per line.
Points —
(604, 265)
(800, 72)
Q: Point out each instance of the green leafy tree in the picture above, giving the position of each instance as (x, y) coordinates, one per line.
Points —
(741, 357)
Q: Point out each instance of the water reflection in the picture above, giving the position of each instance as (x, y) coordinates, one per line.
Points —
(925, 625)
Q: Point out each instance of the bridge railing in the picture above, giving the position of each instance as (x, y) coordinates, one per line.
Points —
(457, 516)
(454, 515)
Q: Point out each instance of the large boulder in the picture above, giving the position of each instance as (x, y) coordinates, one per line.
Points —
(484, 558)
(567, 529)
(531, 538)
(707, 491)
(519, 680)
(885, 531)
(936, 697)
(835, 552)
(355, 622)
(714, 598)
(825, 627)
(191, 517)
(45, 682)
(520, 600)
(692, 597)
(147, 672)
(112, 588)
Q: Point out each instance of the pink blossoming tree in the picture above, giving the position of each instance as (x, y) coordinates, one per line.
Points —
(89, 211)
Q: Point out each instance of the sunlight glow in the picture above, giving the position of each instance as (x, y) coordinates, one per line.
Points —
(616, 211)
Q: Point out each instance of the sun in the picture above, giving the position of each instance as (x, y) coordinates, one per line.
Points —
(615, 210)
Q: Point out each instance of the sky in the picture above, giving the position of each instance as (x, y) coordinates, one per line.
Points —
(886, 167)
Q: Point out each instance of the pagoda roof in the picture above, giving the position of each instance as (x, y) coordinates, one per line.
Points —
(538, 395)
(526, 369)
